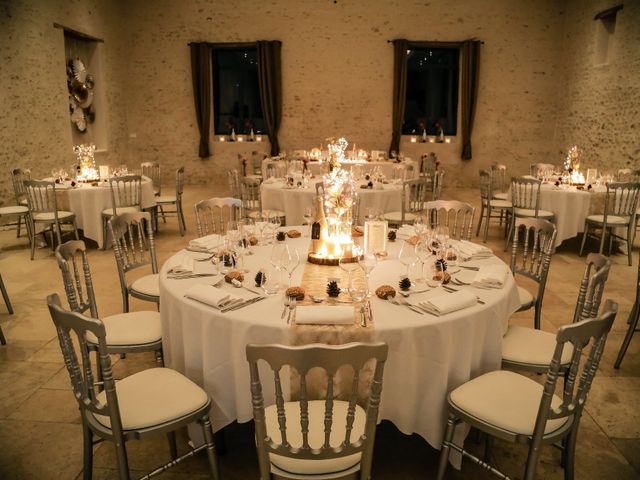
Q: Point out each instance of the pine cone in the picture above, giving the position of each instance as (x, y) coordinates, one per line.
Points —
(281, 236)
(441, 264)
(333, 290)
(260, 279)
(405, 283)
(391, 235)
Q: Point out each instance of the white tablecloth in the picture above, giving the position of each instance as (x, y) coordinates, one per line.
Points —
(386, 168)
(428, 356)
(294, 201)
(88, 202)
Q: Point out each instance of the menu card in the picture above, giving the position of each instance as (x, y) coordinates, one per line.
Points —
(375, 236)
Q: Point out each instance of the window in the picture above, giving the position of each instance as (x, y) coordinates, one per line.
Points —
(432, 91)
(605, 33)
(236, 93)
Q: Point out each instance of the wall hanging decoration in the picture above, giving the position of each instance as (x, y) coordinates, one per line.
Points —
(80, 84)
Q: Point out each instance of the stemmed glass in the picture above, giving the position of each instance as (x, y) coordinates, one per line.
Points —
(261, 222)
(276, 259)
(442, 235)
(241, 248)
(420, 225)
(274, 224)
(437, 274)
(407, 255)
(367, 262)
(423, 252)
(289, 260)
(348, 265)
(308, 215)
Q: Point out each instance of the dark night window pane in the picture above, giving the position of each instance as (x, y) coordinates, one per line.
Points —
(236, 94)
(432, 91)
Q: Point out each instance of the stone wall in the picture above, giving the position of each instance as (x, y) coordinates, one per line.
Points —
(599, 104)
(35, 125)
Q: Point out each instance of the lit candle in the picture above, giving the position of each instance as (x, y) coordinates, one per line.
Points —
(258, 138)
(414, 139)
(240, 139)
(222, 139)
(432, 140)
(447, 140)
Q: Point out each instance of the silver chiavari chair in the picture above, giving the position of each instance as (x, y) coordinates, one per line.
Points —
(538, 169)
(525, 348)
(43, 210)
(233, 180)
(130, 332)
(437, 184)
(151, 170)
(126, 197)
(134, 248)
(164, 201)
(620, 205)
(213, 214)
(525, 198)
(489, 204)
(499, 182)
(21, 209)
(517, 409)
(456, 216)
(250, 196)
(532, 259)
(7, 302)
(148, 403)
(327, 438)
(634, 318)
(414, 199)
(256, 162)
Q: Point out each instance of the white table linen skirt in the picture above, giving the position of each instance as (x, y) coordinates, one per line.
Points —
(428, 356)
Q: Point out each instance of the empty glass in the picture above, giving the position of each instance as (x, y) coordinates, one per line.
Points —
(289, 260)
(368, 262)
(407, 255)
(349, 266)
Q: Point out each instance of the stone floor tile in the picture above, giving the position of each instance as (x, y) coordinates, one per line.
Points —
(613, 402)
(47, 405)
(19, 380)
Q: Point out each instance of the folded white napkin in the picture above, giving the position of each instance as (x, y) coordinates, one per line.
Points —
(186, 265)
(212, 296)
(324, 315)
(449, 302)
(491, 276)
(470, 250)
(206, 243)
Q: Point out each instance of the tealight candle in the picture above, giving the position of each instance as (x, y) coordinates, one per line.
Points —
(258, 138)
(414, 139)
(432, 140)
(222, 139)
(240, 139)
(447, 140)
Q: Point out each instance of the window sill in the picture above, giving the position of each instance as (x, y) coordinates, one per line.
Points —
(430, 140)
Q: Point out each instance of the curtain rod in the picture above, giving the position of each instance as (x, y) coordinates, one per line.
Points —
(433, 43)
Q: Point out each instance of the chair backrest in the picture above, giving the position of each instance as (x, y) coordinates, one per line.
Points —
(125, 191)
(256, 161)
(233, 177)
(428, 164)
(243, 166)
(485, 187)
(303, 359)
(499, 177)
(213, 214)
(133, 244)
(525, 193)
(250, 194)
(41, 197)
(275, 168)
(533, 258)
(628, 175)
(80, 372)
(581, 372)
(76, 276)
(18, 176)
(595, 276)
(152, 170)
(179, 183)
(437, 184)
(414, 196)
(622, 199)
(537, 169)
(457, 216)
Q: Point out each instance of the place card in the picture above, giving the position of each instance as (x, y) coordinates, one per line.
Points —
(375, 236)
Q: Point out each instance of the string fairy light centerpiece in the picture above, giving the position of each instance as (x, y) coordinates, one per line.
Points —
(572, 175)
(87, 171)
(331, 231)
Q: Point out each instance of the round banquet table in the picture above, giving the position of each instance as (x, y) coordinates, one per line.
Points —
(428, 355)
(320, 168)
(88, 202)
(294, 201)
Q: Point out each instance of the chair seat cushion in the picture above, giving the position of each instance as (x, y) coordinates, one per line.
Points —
(397, 216)
(153, 397)
(501, 196)
(529, 212)
(506, 400)
(532, 347)
(316, 436)
(147, 285)
(120, 210)
(166, 199)
(133, 328)
(526, 299)
(51, 217)
(611, 219)
(14, 210)
(501, 204)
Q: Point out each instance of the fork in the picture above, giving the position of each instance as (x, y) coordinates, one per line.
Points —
(409, 306)
(451, 290)
(292, 309)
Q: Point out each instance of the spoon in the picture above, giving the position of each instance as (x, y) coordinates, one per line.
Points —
(316, 299)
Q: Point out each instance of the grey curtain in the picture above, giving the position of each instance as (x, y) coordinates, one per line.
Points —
(400, 48)
(270, 80)
(202, 88)
(470, 60)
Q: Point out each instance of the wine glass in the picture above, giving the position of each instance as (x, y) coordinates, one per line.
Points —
(437, 274)
(420, 225)
(407, 255)
(289, 260)
(276, 258)
(274, 224)
(347, 264)
(233, 228)
(261, 223)
(367, 261)
(241, 248)
(423, 252)
(308, 216)
(442, 235)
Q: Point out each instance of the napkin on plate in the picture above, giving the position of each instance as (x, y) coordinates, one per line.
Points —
(206, 243)
(212, 296)
(449, 302)
(186, 265)
(469, 250)
(491, 276)
(324, 315)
